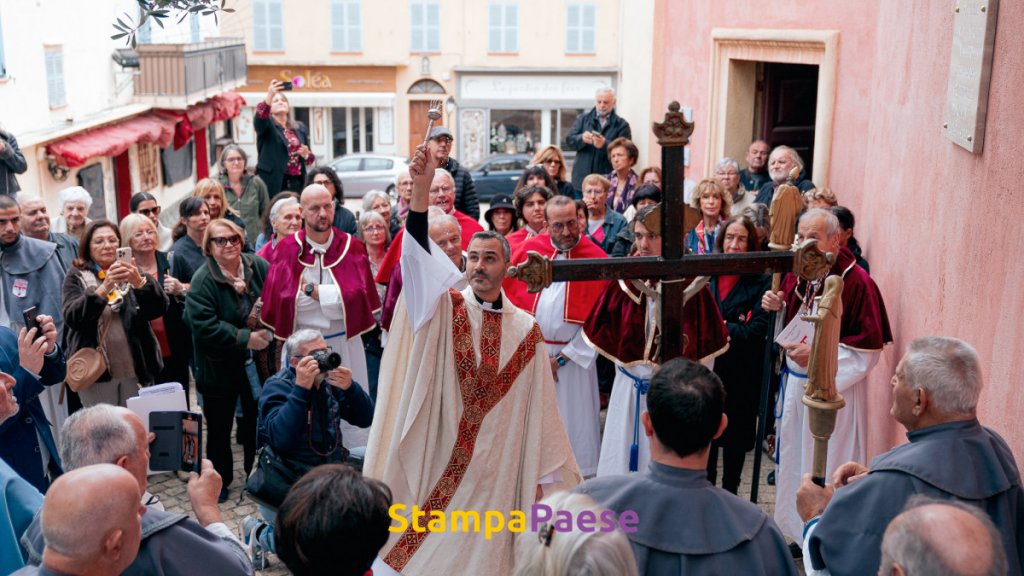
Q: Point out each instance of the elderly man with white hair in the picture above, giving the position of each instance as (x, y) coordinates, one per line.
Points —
(949, 456)
(591, 132)
(780, 164)
(863, 332)
(75, 203)
(35, 223)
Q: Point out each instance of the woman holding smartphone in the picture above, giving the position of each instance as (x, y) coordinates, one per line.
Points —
(282, 144)
(140, 235)
(108, 302)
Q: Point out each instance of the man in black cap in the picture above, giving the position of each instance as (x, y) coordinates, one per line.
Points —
(440, 147)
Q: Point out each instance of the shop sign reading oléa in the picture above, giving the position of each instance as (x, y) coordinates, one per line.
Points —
(310, 79)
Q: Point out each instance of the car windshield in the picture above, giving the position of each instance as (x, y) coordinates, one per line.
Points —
(500, 162)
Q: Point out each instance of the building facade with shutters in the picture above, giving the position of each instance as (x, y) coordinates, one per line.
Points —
(88, 111)
(511, 75)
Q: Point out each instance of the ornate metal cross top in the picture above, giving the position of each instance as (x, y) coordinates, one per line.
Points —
(673, 135)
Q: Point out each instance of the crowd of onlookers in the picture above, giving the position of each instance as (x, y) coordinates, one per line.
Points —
(241, 297)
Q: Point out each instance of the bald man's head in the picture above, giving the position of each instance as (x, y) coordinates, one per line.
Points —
(942, 537)
(91, 520)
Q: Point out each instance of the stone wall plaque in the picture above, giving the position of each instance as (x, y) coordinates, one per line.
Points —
(970, 70)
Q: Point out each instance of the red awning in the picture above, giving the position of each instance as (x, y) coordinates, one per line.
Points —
(160, 127)
(201, 115)
(152, 127)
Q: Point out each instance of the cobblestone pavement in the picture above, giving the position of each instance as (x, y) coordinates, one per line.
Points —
(172, 493)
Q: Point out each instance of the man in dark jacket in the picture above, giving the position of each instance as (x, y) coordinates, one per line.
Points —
(300, 415)
(440, 146)
(12, 162)
(949, 456)
(35, 223)
(591, 132)
(26, 441)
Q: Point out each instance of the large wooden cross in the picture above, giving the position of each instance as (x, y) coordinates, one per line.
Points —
(673, 136)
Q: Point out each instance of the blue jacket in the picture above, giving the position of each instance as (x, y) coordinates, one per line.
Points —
(19, 445)
(19, 502)
(614, 223)
(294, 420)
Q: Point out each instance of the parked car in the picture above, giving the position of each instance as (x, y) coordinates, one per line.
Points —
(498, 174)
(363, 172)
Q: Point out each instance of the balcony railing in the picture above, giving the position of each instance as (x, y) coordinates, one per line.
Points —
(178, 75)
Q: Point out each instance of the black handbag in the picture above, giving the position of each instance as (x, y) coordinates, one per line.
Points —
(272, 476)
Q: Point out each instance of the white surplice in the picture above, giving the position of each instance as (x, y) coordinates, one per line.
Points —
(420, 419)
(579, 400)
(328, 316)
(795, 444)
(620, 422)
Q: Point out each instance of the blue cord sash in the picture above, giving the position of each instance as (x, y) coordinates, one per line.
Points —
(641, 385)
(780, 403)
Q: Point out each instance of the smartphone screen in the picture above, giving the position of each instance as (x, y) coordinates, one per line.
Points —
(179, 441)
(191, 442)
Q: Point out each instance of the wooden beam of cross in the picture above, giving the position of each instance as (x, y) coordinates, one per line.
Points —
(673, 135)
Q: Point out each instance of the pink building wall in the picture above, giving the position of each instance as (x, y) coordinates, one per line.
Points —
(942, 228)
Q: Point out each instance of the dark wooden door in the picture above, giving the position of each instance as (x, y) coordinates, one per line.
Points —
(418, 123)
(790, 103)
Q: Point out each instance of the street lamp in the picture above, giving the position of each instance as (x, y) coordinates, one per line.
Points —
(449, 105)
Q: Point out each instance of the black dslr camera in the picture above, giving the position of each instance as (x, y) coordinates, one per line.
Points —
(326, 360)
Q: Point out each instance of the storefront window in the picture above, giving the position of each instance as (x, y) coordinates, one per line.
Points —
(515, 131)
(360, 122)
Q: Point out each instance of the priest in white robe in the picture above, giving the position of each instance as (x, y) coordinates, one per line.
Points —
(864, 331)
(466, 416)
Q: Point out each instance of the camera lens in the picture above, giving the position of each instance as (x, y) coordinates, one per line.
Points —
(326, 360)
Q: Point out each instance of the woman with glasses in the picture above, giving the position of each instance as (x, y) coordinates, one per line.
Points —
(217, 310)
(145, 203)
(727, 172)
(282, 144)
(110, 303)
(246, 193)
(139, 234)
(375, 234)
(325, 176)
(551, 158)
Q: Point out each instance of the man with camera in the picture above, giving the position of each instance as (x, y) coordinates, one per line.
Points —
(300, 416)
